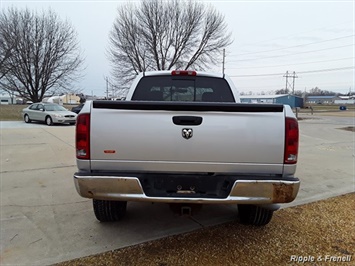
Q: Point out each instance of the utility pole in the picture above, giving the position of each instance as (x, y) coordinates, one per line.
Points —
(289, 84)
(224, 56)
(286, 75)
(293, 82)
(106, 88)
(113, 91)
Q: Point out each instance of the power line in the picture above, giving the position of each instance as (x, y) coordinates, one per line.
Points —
(297, 34)
(326, 85)
(327, 70)
(301, 45)
(301, 72)
(319, 50)
(300, 85)
(306, 63)
(256, 75)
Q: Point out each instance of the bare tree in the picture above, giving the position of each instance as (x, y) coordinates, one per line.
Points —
(162, 35)
(319, 92)
(281, 91)
(5, 53)
(45, 56)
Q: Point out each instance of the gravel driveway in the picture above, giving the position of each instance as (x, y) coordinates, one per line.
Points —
(44, 221)
(319, 233)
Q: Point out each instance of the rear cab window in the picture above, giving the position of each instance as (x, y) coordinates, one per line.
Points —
(187, 89)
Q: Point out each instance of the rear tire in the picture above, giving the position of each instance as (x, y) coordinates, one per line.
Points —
(49, 121)
(27, 118)
(254, 215)
(109, 211)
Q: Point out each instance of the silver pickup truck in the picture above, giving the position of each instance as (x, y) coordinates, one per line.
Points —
(184, 137)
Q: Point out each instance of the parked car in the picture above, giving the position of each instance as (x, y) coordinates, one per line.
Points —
(50, 113)
(77, 109)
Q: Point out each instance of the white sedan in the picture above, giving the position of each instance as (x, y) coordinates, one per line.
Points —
(50, 113)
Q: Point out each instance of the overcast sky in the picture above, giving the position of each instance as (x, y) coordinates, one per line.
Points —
(313, 38)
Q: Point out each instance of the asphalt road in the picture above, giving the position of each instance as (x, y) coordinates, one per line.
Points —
(44, 220)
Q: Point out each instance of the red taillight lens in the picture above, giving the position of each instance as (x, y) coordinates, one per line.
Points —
(183, 73)
(291, 141)
(83, 137)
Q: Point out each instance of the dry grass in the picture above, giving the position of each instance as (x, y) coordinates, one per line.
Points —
(322, 109)
(11, 112)
(319, 229)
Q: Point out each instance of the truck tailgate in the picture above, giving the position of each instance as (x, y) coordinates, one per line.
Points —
(145, 136)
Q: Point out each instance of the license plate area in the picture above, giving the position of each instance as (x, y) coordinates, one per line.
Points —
(207, 186)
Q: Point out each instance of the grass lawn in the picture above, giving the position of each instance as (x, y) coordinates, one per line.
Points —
(327, 108)
(12, 112)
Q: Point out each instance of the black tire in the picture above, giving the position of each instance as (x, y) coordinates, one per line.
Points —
(27, 119)
(109, 211)
(49, 121)
(254, 215)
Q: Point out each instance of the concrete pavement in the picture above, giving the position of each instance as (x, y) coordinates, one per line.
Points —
(326, 158)
(44, 220)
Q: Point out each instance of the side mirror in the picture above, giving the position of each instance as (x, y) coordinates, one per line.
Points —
(41, 109)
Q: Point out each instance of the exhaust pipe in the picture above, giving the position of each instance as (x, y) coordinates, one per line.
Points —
(185, 211)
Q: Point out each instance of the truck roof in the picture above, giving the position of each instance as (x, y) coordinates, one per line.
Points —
(169, 72)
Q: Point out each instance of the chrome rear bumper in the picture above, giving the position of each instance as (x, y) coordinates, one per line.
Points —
(243, 191)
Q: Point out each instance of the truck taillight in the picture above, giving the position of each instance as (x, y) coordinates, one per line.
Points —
(83, 137)
(183, 73)
(291, 141)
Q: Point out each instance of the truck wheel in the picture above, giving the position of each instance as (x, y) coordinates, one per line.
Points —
(254, 215)
(109, 210)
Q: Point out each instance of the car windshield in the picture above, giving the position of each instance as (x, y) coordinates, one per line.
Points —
(54, 108)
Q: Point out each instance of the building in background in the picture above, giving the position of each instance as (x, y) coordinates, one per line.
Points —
(291, 100)
(63, 99)
(345, 100)
(8, 100)
(321, 99)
